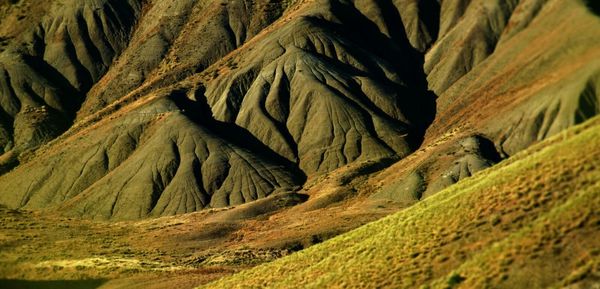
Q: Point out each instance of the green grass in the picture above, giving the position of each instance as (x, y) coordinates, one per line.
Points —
(530, 222)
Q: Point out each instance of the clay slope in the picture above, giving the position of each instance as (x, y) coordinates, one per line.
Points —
(305, 96)
(138, 166)
(541, 79)
(47, 65)
(165, 98)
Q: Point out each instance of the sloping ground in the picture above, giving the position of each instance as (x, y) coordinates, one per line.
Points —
(186, 250)
(530, 222)
(193, 249)
(538, 90)
(303, 97)
(54, 54)
(469, 33)
(165, 171)
(178, 106)
(541, 79)
(286, 113)
(302, 88)
(175, 39)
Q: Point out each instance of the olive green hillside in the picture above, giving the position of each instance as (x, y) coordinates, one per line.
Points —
(530, 222)
(195, 138)
(542, 77)
(292, 84)
(211, 104)
(128, 110)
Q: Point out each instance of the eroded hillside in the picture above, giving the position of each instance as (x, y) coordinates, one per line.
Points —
(125, 110)
(296, 95)
(278, 124)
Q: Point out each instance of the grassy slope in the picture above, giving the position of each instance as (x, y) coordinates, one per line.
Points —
(532, 221)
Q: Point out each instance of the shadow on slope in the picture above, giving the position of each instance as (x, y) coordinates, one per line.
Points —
(420, 103)
(430, 11)
(594, 6)
(199, 111)
(481, 232)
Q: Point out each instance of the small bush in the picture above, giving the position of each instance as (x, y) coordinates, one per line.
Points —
(455, 279)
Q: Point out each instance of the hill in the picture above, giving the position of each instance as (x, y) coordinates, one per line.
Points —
(266, 95)
(184, 139)
(531, 221)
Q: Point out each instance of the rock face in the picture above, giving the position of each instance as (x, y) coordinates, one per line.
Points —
(138, 108)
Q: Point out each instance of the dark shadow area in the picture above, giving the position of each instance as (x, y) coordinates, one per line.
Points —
(488, 149)
(415, 100)
(70, 104)
(59, 284)
(589, 104)
(429, 12)
(9, 166)
(199, 111)
(594, 6)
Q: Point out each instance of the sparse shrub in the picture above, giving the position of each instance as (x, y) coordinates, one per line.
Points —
(455, 279)
(57, 268)
(495, 220)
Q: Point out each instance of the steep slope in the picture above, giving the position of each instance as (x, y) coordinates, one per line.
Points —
(54, 52)
(48, 63)
(531, 222)
(536, 89)
(469, 33)
(541, 79)
(185, 35)
(140, 157)
(302, 87)
(307, 95)
(224, 134)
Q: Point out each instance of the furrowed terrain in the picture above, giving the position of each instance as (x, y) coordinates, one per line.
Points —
(530, 222)
(176, 142)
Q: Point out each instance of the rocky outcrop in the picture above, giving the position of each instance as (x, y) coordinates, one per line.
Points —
(448, 165)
